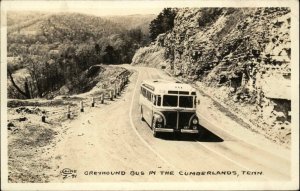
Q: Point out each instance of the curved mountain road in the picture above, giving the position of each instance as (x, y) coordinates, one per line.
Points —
(112, 138)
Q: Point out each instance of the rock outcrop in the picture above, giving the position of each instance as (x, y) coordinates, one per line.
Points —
(244, 50)
(150, 56)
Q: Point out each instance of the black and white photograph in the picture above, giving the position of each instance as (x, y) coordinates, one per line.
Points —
(150, 95)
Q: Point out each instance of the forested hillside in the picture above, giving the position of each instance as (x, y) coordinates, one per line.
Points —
(46, 51)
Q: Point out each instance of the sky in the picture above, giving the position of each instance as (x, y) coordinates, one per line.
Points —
(125, 7)
(99, 8)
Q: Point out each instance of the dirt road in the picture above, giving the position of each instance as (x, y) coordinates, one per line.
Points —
(110, 143)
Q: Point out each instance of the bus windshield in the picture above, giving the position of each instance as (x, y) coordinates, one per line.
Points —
(172, 101)
(186, 101)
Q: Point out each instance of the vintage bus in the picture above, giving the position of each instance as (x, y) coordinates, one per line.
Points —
(169, 107)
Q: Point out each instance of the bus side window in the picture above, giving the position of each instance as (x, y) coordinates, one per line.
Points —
(154, 99)
(149, 96)
(158, 100)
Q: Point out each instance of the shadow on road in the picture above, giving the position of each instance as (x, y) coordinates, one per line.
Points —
(205, 136)
(208, 136)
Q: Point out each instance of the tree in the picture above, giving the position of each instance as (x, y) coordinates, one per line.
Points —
(162, 23)
(97, 48)
(109, 56)
(25, 93)
(136, 34)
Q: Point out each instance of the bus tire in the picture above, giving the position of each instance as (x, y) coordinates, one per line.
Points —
(142, 117)
(155, 134)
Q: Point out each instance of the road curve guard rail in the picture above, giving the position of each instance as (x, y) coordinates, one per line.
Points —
(113, 91)
(74, 105)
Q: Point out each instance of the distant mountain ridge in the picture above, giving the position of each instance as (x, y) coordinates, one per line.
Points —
(64, 23)
(133, 21)
(18, 20)
(18, 17)
(45, 27)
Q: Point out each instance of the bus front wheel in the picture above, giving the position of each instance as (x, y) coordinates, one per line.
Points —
(155, 134)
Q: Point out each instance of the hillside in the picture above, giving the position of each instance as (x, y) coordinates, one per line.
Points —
(62, 27)
(26, 28)
(29, 137)
(47, 51)
(240, 56)
(18, 17)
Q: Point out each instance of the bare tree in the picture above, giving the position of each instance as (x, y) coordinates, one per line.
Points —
(25, 93)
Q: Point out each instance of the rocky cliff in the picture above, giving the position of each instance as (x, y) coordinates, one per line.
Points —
(243, 53)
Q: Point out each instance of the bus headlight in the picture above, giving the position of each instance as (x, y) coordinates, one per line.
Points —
(158, 118)
(195, 121)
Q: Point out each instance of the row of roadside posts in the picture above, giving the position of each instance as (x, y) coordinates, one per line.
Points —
(111, 94)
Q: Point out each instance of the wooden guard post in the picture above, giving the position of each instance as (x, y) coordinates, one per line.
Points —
(81, 106)
(118, 91)
(93, 102)
(43, 118)
(68, 112)
(115, 90)
(102, 98)
(111, 95)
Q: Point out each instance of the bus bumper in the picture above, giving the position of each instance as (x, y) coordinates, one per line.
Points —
(164, 130)
(189, 131)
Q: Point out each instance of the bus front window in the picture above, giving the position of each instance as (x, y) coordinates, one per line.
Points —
(186, 101)
(170, 101)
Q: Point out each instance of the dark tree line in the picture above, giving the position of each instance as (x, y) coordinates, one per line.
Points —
(162, 23)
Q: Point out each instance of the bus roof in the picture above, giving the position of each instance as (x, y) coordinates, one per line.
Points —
(167, 87)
